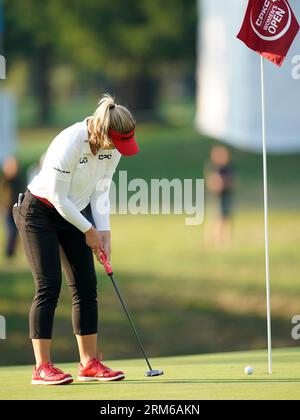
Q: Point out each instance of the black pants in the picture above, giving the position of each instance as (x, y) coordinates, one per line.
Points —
(48, 240)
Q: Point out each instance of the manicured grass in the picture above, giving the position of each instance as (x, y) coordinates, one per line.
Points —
(213, 377)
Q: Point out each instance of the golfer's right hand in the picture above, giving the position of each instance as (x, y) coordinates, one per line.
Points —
(94, 240)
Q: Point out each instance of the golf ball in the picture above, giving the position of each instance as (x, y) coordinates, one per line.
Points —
(249, 370)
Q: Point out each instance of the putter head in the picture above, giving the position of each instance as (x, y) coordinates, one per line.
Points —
(152, 373)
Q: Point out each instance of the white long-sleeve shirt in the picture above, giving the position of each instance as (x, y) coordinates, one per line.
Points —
(72, 177)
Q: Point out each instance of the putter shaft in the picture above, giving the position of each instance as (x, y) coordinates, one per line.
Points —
(129, 318)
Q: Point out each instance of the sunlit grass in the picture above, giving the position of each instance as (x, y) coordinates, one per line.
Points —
(214, 377)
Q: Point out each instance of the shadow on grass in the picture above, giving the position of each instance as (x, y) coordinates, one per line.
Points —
(167, 326)
(194, 381)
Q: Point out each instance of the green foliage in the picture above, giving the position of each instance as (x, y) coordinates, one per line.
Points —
(118, 38)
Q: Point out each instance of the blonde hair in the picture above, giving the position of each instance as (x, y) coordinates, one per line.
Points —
(109, 115)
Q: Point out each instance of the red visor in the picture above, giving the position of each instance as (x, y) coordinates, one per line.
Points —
(124, 143)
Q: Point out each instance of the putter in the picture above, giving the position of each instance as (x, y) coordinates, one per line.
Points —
(151, 372)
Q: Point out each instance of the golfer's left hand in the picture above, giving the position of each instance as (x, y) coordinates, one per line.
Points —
(106, 237)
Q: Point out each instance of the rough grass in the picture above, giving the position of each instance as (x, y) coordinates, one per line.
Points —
(213, 299)
(186, 296)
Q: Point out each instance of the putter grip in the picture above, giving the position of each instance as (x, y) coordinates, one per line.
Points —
(106, 264)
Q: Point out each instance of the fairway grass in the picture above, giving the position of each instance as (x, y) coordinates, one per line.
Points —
(213, 377)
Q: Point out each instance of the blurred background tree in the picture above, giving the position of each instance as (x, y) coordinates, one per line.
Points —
(125, 46)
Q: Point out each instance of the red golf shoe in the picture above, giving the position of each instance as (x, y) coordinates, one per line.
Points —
(96, 371)
(48, 374)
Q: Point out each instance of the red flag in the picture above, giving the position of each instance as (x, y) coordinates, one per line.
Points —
(269, 28)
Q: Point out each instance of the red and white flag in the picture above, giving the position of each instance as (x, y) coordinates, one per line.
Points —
(269, 28)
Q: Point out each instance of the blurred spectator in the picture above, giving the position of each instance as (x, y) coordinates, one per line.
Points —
(220, 181)
(10, 187)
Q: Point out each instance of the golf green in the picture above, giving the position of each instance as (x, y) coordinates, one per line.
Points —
(211, 377)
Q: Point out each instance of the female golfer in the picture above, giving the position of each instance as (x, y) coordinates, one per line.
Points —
(77, 171)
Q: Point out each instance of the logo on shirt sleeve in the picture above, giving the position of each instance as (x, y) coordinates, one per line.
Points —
(61, 171)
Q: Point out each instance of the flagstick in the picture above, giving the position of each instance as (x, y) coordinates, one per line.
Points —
(265, 164)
